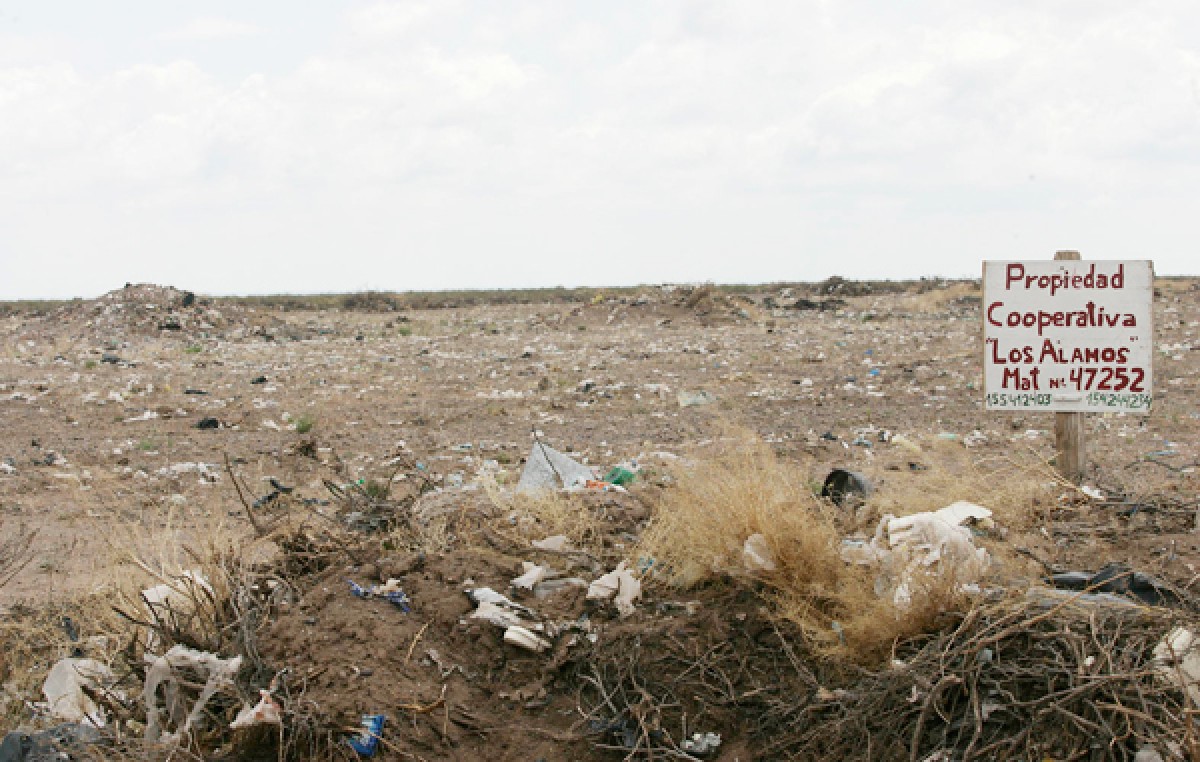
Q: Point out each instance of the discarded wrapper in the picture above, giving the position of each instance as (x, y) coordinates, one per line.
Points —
(556, 543)
(619, 584)
(366, 741)
(266, 712)
(66, 686)
(523, 638)
(389, 591)
(532, 575)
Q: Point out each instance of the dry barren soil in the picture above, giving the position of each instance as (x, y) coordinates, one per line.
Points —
(124, 419)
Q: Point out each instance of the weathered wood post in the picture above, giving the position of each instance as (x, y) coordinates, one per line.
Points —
(1069, 436)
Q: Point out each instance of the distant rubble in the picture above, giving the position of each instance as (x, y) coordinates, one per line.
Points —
(146, 309)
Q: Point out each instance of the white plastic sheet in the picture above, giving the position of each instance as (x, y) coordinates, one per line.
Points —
(549, 469)
(63, 689)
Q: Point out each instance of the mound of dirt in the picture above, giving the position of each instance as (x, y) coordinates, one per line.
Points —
(451, 688)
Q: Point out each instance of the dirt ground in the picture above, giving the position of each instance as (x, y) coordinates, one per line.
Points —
(100, 403)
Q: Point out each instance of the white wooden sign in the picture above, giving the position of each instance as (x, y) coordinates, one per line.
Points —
(1068, 336)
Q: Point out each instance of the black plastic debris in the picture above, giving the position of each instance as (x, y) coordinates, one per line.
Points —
(194, 391)
(207, 423)
(188, 299)
(259, 380)
(1119, 579)
(49, 745)
(111, 359)
(277, 491)
(842, 485)
(27, 747)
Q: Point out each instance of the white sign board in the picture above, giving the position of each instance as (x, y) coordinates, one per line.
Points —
(1068, 336)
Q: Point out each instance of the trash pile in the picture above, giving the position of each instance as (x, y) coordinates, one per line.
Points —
(148, 310)
(421, 616)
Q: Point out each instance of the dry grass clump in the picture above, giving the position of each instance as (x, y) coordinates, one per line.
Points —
(544, 514)
(1019, 487)
(700, 528)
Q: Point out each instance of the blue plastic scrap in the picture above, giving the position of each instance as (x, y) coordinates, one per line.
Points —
(366, 741)
(397, 598)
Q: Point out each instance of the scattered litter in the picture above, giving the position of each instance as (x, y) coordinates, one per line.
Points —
(277, 491)
(50, 744)
(207, 423)
(549, 469)
(1092, 492)
(620, 585)
(600, 484)
(523, 638)
(266, 712)
(66, 690)
(841, 485)
(701, 744)
(1121, 580)
(902, 546)
(622, 477)
(496, 609)
(757, 555)
(366, 741)
(389, 591)
(163, 671)
(497, 615)
(555, 543)
(488, 595)
(533, 574)
(695, 399)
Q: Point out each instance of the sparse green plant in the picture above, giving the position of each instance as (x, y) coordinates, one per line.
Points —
(304, 424)
(193, 349)
(376, 489)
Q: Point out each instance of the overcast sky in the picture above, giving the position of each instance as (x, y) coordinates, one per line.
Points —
(270, 146)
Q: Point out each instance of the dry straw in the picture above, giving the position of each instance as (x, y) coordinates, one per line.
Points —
(700, 527)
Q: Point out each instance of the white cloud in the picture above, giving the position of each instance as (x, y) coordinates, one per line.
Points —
(445, 145)
(212, 28)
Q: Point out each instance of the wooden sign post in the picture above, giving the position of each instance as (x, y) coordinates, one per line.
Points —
(1068, 337)
(1070, 445)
